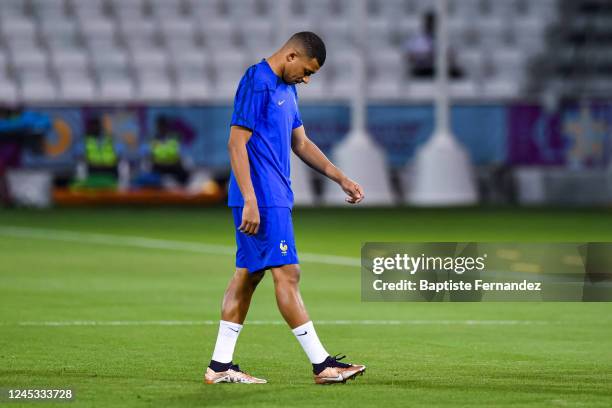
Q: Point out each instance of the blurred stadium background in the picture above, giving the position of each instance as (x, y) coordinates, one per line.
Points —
(136, 94)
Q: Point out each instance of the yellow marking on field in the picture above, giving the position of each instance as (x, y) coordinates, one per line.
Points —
(573, 260)
(526, 267)
(509, 254)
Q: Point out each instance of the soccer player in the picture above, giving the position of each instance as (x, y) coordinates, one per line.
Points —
(265, 127)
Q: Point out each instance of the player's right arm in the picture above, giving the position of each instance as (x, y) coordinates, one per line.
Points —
(239, 159)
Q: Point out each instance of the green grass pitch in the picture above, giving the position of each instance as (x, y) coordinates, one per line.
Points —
(554, 354)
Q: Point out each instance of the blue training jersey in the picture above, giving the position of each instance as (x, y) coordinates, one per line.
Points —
(267, 106)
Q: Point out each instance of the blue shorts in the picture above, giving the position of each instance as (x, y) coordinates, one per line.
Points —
(273, 245)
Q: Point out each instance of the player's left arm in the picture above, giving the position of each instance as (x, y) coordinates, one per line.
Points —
(310, 154)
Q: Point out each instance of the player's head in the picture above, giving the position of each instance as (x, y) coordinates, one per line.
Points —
(304, 55)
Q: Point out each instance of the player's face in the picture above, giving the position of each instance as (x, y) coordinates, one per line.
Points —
(299, 68)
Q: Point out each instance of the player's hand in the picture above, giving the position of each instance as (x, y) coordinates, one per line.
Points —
(353, 190)
(250, 219)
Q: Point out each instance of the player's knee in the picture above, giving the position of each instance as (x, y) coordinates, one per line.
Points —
(287, 276)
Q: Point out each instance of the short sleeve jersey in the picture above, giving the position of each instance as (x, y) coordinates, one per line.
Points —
(267, 106)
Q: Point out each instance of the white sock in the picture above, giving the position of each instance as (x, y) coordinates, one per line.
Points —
(307, 336)
(226, 341)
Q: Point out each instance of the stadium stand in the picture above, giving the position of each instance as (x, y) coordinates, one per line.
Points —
(196, 50)
(578, 60)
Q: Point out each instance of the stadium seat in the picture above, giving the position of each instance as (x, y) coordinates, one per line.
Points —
(21, 45)
(315, 90)
(343, 74)
(463, 89)
(257, 33)
(13, 27)
(508, 62)
(178, 33)
(385, 67)
(115, 88)
(470, 61)
(256, 54)
(542, 9)
(265, 8)
(297, 23)
(29, 58)
(500, 9)
(205, 11)
(503, 73)
(299, 8)
(421, 90)
(192, 88)
(529, 34)
(138, 27)
(8, 91)
(500, 88)
(337, 32)
(100, 44)
(164, 9)
(94, 26)
(56, 33)
(405, 28)
(195, 59)
(493, 32)
(110, 58)
(240, 10)
(12, 8)
(37, 89)
(3, 62)
(228, 69)
(149, 58)
(177, 26)
(141, 35)
(98, 33)
(76, 87)
(110, 63)
(416, 7)
(390, 10)
(84, 9)
(49, 9)
(378, 33)
(129, 10)
(75, 59)
(461, 34)
(189, 44)
(154, 85)
(338, 10)
(319, 9)
(219, 35)
(464, 9)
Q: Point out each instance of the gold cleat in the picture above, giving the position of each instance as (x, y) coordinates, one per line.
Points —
(232, 375)
(337, 372)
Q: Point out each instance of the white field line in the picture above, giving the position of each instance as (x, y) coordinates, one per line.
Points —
(279, 322)
(155, 243)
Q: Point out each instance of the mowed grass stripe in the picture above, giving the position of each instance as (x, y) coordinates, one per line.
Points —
(154, 243)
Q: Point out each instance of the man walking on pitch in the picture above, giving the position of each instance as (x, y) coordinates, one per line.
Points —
(265, 127)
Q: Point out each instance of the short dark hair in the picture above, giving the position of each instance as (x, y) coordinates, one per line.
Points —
(312, 44)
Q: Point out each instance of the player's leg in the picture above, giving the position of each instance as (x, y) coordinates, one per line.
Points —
(326, 369)
(288, 297)
(235, 307)
(237, 297)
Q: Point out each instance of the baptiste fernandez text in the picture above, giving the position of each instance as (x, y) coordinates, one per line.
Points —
(450, 285)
